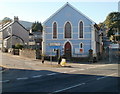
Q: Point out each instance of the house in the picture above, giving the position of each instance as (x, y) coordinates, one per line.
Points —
(71, 32)
(13, 33)
(35, 39)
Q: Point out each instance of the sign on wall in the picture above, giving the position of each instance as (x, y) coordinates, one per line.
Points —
(81, 50)
(54, 44)
(78, 50)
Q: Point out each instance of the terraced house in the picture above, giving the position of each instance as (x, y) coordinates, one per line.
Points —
(70, 31)
(12, 33)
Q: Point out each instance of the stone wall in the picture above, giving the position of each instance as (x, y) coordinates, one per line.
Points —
(29, 53)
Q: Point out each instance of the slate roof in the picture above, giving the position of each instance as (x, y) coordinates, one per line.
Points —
(3, 27)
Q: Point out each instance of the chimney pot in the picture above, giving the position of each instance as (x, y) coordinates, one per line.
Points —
(16, 18)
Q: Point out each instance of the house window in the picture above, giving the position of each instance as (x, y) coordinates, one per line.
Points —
(81, 29)
(67, 30)
(54, 30)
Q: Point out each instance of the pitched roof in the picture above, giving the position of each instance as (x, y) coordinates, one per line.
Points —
(6, 25)
(67, 4)
(9, 24)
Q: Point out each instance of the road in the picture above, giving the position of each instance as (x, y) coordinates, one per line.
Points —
(31, 76)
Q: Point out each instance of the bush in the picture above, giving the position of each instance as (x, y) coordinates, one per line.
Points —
(18, 46)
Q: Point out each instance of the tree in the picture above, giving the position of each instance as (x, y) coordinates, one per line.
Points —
(113, 23)
(37, 27)
(5, 20)
(102, 26)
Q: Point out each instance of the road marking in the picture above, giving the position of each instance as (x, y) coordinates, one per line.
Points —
(68, 88)
(101, 77)
(3, 70)
(37, 76)
(52, 74)
(24, 78)
(4, 81)
(106, 76)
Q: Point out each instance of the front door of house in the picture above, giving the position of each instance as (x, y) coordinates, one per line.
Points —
(67, 50)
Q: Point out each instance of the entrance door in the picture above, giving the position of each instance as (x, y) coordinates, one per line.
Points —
(67, 50)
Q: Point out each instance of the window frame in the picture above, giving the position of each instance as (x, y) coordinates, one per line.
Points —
(79, 30)
(71, 30)
(53, 30)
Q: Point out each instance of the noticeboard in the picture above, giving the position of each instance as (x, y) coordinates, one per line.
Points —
(54, 45)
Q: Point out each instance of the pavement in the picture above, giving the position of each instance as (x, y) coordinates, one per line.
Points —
(34, 63)
(29, 75)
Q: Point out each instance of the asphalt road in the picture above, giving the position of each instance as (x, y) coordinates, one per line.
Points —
(80, 78)
(53, 82)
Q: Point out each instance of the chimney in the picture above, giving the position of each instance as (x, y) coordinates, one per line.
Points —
(16, 18)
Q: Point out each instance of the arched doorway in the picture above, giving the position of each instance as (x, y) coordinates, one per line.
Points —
(67, 50)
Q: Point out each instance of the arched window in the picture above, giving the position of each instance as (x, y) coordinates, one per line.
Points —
(81, 29)
(81, 45)
(54, 30)
(67, 30)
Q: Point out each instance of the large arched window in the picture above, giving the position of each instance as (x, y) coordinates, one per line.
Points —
(67, 30)
(54, 30)
(81, 29)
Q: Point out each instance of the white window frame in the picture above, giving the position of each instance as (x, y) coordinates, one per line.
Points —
(53, 29)
(79, 29)
(64, 30)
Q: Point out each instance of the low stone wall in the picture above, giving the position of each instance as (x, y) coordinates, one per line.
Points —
(29, 53)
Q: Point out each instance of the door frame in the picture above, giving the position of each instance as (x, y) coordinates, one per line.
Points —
(65, 48)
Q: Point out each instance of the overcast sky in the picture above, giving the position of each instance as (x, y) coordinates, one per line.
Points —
(40, 10)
